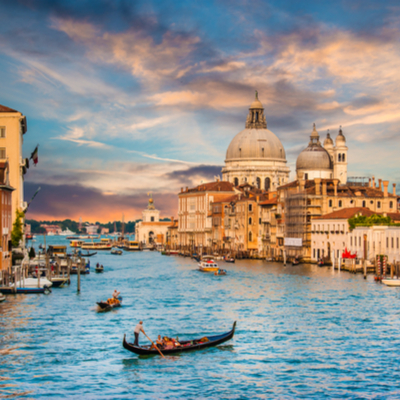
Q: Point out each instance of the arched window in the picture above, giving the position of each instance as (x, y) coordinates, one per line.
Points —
(306, 176)
(391, 204)
(363, 203)
(236, 182)
(330, 203)
(340, 203)
(267, 183)
(256, 116)
(340, 158)
(258, 183)
(250, 237)
(152, 219)
(245, 179)
(378, 204)
(343, 157)
(250, 221)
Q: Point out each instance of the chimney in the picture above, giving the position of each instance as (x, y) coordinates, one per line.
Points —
(369, 182)
(172, 220)
(394, 189)
(335, 184)
(373, 181)
(324, 188)
(187, 189)
(181, 189)
(385, 188)
(380, 184)
(317, 186)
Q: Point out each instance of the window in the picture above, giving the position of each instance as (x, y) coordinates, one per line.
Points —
(363, 203)
(351, 240)
(258, 183)
(152, 219)
(392, 243)
(340, 203)
(359, 241)
(236, 182)
(250, 221)
(2, 153)
(306, 176)
(250, 207)
(343, 157)
(267, 183)
(378, 204)
(397, 242)
(387, 242)
(250, 237)
(340, 157)
(314, 253)
(2, 131)
(330, 203)
(259, 220)
(391, 204)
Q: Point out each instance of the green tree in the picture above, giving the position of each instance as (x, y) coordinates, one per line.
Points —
(16, 234)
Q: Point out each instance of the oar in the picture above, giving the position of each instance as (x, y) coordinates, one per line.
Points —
(154, 345)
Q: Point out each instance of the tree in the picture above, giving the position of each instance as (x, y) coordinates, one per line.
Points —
(16, 234)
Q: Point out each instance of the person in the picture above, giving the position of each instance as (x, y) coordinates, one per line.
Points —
(138, 328)
(116, 294)
(159, 341)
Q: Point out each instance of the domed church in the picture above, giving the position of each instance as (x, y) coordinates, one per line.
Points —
(256, 155)
(326, 162)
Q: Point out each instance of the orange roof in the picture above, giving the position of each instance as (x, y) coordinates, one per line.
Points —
(220, 186)
(270, 201)
(157, 223)
(6, 109)
(346, 213)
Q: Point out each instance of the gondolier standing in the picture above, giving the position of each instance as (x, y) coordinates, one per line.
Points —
(138, 328)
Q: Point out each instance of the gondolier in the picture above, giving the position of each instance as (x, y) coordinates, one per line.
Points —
(138, 328)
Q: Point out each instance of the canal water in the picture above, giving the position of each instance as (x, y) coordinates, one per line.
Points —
(302, 332)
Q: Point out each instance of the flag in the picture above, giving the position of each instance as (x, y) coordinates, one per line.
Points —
(34, 155)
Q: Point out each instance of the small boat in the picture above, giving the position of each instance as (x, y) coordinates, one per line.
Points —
(60, 281)
(2, 297)
(26, 290)
(33, 283)
(87, 254)
(116, 252)
(295, 261)
(99, 268)
(110, 304)
(320, 263)
(186, 345)
(208, 266)
(391, 282)
(220, 272)
(230, 260)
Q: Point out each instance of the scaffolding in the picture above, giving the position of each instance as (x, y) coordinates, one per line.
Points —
(296, 222)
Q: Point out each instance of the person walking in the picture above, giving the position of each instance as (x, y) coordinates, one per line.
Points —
(138, 328)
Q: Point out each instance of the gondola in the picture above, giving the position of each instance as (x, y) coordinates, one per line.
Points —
(295, 262)
(88, 254)
(186, 345)
(230, 260)
(116, 252)
(104, 306)
(320, 263)
(2, 297)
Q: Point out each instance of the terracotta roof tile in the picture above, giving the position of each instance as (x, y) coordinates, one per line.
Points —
(220, 186)
(270, 201)
(346, 213)
(6, 109)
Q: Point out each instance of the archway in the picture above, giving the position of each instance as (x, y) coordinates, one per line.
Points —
(151, 237)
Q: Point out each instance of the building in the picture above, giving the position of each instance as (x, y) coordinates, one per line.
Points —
(51, 229)
(256, 155)
(151, 230)
(329, 232)
(12, 129)
(330, 162)
(6, 221)
(305, 200)
(195, 213)
(172, 235)
(104, 231)
(271, 220)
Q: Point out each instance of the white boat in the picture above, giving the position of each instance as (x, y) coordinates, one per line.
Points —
(33, 283)
(391, 282)
(208, 266)
(2, 297)
(67, 232)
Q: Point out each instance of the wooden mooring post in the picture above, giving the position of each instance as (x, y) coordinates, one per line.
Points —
(79, 275)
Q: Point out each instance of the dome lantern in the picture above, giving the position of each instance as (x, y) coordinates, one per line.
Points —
(256, 118)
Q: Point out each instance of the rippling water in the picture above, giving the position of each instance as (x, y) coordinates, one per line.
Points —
(303, 332)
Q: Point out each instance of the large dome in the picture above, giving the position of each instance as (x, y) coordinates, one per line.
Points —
(255, 144)
(314, 158)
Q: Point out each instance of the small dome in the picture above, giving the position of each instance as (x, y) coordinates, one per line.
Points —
(255, 143)
(340, 139)
(256, 103)
(313, 158)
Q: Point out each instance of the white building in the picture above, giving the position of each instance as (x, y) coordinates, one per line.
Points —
(330, 232)
(151, 230)
(256, 155)
(328, 162)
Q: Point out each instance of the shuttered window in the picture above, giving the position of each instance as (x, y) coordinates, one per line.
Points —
(2, 131)
(2, 153)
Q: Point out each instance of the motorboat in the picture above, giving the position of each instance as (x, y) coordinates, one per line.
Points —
(2, 297)
(391, 282)
(60, 281)
(99, 268)
(96, 246)
(220, 272)
(132, 245)
(33, 283)
(116, 252)
(67, 232)
(208, 266)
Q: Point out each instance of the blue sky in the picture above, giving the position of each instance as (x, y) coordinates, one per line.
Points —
(127, 97)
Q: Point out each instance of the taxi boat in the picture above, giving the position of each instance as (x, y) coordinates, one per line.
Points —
(186, 345)
(208, 266)
(96, 246)
(132, 245)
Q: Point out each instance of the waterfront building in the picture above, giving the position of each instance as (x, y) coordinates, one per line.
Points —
(6, 221)
(172, 235)
(92, 229)
(195, 212)
(151, 230)
(329, 232)
(328, 162)
(305, 200)
(12, 129)
(256, 155)
(51, 229)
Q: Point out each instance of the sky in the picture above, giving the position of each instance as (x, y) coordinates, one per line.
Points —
(130, 97)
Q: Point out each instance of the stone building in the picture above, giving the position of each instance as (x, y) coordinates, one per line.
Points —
(256, 155)
(151, 230)
(6, 221)
(172, 235)
(12, 129)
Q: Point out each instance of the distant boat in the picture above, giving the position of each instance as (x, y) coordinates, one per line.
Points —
(2, 297)
(391, 282)
(67, 232)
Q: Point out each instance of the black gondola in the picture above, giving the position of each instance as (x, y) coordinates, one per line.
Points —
(105, 306)
(88, 254)
(230, 260)
(190, 344)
